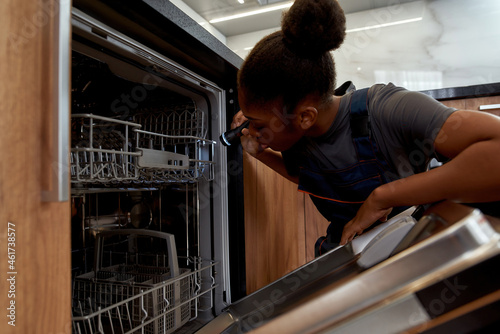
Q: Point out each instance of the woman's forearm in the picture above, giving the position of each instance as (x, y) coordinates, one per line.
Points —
(472, 176)
(472, 141)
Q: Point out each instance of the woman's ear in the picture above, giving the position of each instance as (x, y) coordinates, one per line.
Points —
(308, 116)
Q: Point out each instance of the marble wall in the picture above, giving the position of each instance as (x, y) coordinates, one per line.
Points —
(421, 45)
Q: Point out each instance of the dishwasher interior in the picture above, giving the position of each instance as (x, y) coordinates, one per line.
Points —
(149, 211)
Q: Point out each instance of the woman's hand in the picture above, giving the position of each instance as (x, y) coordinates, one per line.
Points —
(368, 213)
(249, 138)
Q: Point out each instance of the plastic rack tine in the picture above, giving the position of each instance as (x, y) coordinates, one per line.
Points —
(195, 311)
(79, 331)
(91, 145)
(143, 309)
(128, 316)
(91, 311)
(80, 307)
(212, 277)
(99, 323)
(111, 322)
(167, 303)
(197, 282)
(120, 317)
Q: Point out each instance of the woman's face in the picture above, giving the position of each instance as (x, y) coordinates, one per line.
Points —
(270, 125)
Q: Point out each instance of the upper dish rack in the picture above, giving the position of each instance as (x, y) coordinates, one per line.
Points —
(158, 146)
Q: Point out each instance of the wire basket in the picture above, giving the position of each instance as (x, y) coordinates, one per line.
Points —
(182, 123)
(166, 147)
(101, 150)
(129, 298)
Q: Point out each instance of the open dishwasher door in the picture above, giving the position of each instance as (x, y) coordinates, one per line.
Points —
(435, 269)
(310, 280)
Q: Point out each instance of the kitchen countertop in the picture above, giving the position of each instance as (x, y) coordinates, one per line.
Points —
(161, 26)
(177, 16)
(489, 89)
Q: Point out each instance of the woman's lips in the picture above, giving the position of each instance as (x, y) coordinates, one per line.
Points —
(264, 146)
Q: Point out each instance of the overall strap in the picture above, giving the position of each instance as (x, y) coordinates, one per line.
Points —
(360, 125)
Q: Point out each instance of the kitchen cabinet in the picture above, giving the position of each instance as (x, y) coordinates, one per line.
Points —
(475, 103)
(35, 255)
(281, 225)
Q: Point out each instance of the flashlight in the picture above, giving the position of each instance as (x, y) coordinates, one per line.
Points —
(228, 137)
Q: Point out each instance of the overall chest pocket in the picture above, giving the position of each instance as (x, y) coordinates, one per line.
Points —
(348, 185)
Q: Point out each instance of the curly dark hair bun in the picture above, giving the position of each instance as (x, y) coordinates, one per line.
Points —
(312, 27)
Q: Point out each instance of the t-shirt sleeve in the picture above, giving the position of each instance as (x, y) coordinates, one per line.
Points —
(405, 125)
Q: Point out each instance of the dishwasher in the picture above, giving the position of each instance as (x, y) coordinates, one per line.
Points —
(148, 188)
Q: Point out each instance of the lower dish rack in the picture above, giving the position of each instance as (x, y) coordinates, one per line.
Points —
(134, 298)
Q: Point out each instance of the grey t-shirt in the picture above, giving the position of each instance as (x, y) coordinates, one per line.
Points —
(404, 125)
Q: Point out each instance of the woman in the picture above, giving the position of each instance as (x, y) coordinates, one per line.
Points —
(360, 154)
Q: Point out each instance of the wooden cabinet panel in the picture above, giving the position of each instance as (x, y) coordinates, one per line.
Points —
(316, 226)
(458, 104)
(475, 103)
(281, 225)
(274, 226)
(42, 267)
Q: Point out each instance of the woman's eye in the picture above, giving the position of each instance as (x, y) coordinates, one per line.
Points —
(257, 127)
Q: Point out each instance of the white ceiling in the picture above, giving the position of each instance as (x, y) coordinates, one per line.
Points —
(212, 9)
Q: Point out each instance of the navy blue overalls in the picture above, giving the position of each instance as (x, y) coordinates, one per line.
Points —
(338, 194)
